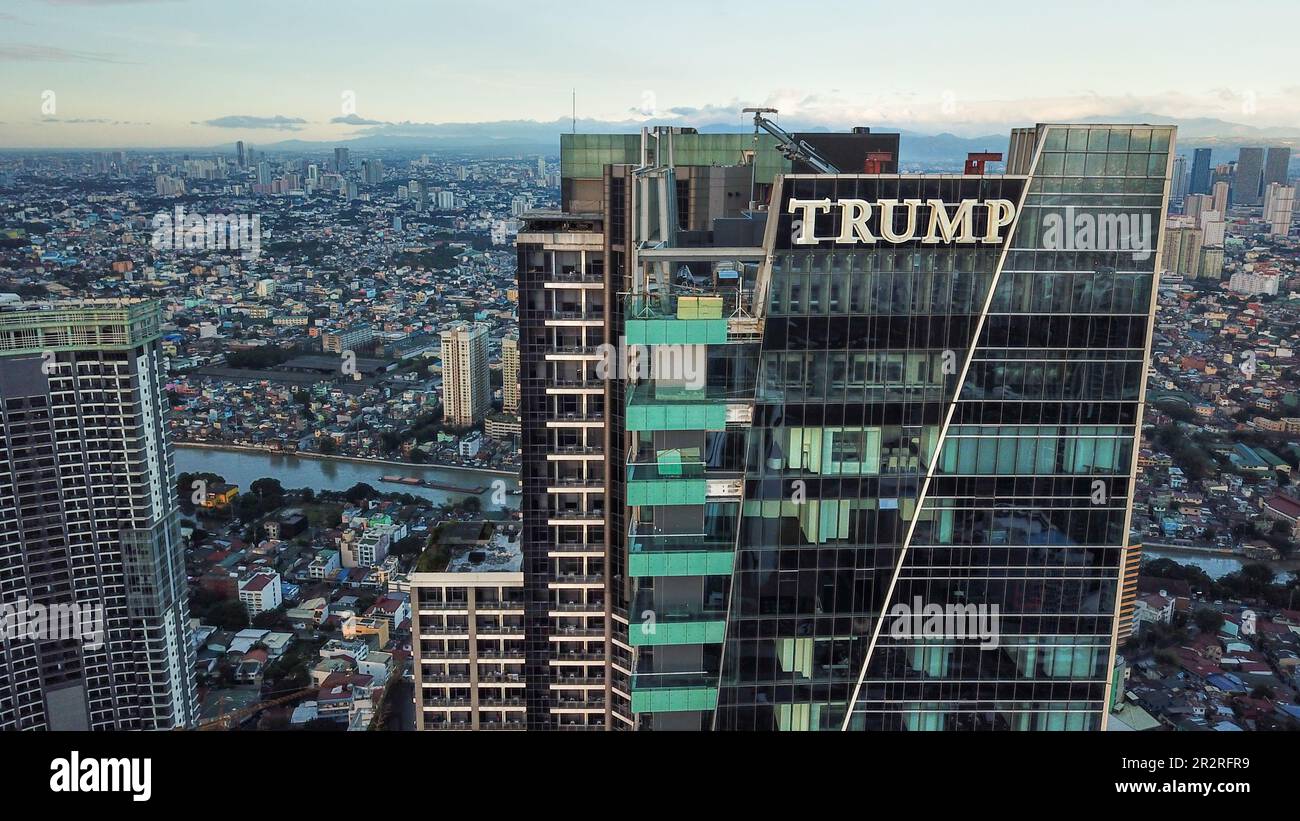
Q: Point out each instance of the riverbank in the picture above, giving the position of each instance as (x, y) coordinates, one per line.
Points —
(245, 465)
(364, 460)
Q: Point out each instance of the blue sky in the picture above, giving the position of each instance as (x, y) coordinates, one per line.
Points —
(174, 72)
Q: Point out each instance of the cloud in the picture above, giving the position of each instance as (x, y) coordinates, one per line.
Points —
(88, 121)
(105, 2)
(353, 119)
(15, 53)
(952, 112)
(277, 122)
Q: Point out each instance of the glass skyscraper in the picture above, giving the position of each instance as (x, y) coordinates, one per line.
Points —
(870, 458)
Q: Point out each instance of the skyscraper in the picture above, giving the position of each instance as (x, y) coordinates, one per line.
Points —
(1200, 179)
(342, 162)
(573, 265)
(1279, 201)
(88, 519)
(1220, 203)
(466, 390)
(239, 153)
(510, 375)
(1181, 178)
(838, 414)
(1277, 163)
(1248, 183)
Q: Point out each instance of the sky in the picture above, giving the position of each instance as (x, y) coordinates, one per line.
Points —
(175, 73)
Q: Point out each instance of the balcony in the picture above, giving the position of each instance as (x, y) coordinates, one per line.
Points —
(501, 725)
(658, 555)
(576, 607)
(672, 319)
(591, 275)
(666, 482)
(497, 606)
(693, 626)
(593, 549)
(652, 407)
(674, 692)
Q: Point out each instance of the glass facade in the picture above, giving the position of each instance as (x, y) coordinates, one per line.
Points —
(896, 473)
(876, 472)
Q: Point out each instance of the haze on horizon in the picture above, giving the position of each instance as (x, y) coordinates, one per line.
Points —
(176, 73)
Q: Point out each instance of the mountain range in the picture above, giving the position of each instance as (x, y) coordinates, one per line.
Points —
(916, 145)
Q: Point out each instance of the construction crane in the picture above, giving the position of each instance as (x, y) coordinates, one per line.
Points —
(791, 147)
(235, 717)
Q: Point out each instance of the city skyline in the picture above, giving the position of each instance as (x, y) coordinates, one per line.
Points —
(79, 76)
(713, 367)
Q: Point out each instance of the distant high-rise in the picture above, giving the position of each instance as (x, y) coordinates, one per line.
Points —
(89, 520)
(1200, 177)
(1194, 204)
(1248, 183)
(466, 389)
(239, 153)
(1276, 165)
(342, 162)
(1221, 191)
(510, 375)
(1181, 178)
(1279, 202)
(372, 171)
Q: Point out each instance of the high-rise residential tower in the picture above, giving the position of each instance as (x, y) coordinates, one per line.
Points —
(1279, 202)
(840, 401)
(1248, 181)
(510, 375)
(466, 389)
(88, 520)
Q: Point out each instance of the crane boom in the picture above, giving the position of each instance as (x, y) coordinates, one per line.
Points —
(790, 146)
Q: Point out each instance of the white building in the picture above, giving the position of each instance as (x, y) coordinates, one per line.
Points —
(1279, 203)
(1251, 283)
(466, 389)
(260, 592)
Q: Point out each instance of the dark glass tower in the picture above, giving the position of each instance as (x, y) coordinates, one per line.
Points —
(840, 402)
(921, 394)
(1200, 182)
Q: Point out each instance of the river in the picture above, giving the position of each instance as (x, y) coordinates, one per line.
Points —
(242, 468)
(1216, 566)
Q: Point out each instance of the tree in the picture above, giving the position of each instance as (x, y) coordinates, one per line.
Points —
(327, 446)
(228, 614)
(410, 545)
(267, 488)
(185, 488)
(360, 492)
(1207, 620)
